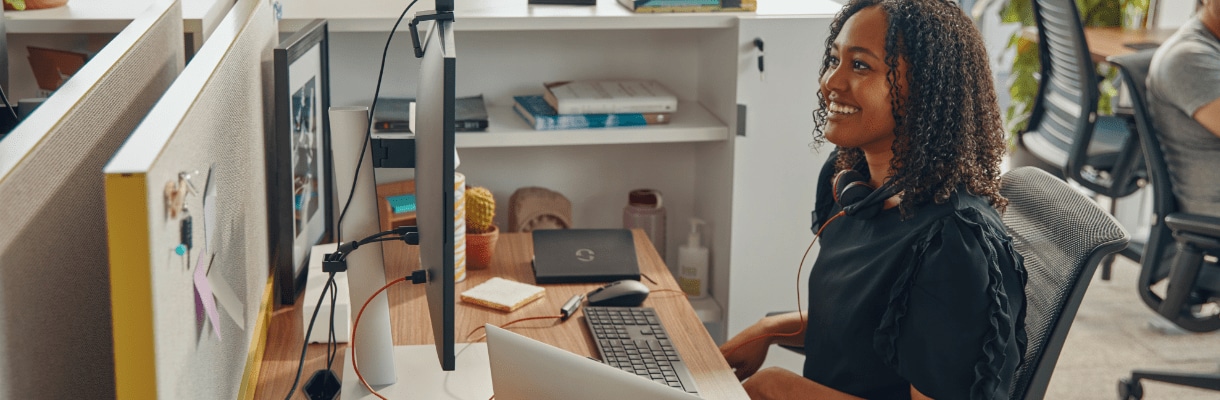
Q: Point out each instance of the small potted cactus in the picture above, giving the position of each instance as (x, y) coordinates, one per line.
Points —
(481, 231)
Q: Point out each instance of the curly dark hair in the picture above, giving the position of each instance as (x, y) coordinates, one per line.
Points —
(948, 131)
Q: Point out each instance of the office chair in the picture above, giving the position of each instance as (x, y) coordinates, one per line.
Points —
(1176, 244)
(1065, 131)
(1065, 134)
(1063, 236)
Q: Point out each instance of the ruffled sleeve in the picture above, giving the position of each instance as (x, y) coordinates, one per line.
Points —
(954, 324)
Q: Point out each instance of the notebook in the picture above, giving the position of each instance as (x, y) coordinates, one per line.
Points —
(584, 255)
(526, 369)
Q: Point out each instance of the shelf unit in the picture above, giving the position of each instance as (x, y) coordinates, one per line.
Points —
(737, 155)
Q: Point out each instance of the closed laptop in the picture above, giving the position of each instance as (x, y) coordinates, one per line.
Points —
(584, 255)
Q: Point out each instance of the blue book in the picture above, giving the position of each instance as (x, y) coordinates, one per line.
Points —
(541, 116)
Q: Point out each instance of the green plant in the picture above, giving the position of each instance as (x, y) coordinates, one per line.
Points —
(480, 209)
(17, 4)
(1023, 81)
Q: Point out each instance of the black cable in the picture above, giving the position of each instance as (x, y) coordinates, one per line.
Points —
(365, 144)
(6, 103)
(390, 239)
(304, 346)
(332, 345)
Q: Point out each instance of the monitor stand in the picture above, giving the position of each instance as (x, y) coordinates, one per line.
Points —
(420, 375)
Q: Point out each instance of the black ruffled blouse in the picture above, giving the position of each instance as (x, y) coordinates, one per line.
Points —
(935, 301)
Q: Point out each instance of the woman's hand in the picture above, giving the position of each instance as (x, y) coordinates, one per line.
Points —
(776, 383)
(746, 356)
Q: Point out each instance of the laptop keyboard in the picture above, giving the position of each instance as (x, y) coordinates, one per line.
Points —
(632, 339)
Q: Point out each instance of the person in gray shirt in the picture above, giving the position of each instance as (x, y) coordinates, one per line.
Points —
(1184, 95)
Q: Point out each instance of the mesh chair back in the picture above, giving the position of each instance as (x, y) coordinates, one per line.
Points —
(1063, 236)
(1134, 72)
(1064, 111)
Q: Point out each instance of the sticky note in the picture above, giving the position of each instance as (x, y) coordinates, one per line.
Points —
(203, 292)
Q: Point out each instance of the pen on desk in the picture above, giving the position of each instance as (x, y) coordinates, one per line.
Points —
(571, 306)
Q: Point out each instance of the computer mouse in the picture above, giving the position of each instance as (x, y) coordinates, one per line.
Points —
(624, 293)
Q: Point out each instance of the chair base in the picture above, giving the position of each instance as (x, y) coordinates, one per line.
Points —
(1131, 389)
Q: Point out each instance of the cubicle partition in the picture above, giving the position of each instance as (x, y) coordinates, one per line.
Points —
(187, 212)
(55, 338)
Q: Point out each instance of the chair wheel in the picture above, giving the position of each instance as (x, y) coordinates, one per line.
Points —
(1130, 390)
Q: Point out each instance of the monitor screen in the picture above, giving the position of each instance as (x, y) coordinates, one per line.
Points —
(434, 174)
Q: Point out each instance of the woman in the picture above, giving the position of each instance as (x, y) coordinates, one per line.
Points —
(924, 299)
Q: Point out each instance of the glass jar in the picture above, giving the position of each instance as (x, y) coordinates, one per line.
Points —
(645, 210)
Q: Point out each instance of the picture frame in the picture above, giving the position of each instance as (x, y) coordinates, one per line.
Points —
(298, 156)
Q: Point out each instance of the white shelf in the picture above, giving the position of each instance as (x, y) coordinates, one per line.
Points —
(519, 15)
(692, 123)
(109, 16)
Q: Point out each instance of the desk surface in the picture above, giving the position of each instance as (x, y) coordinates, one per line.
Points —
(1111, 41)
(1106, 42)
(408, 308)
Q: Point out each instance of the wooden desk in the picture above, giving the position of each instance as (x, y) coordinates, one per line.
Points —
(1106, 42)
(409, 318)
(1111, 41)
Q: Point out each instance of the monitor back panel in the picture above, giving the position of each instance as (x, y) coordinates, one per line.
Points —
(210, 125)
(55, 339)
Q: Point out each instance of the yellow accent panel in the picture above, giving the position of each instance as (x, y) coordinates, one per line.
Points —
(131, 286)
(254, 361)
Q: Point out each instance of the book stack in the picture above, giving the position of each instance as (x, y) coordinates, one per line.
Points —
(597, 104)
(675, 6)
(393, 114)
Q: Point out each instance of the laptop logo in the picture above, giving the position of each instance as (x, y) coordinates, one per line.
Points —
(585, 255)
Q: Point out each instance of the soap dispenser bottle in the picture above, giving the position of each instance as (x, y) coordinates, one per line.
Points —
(693, 263)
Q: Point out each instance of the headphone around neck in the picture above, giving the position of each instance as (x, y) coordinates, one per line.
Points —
(857, 197)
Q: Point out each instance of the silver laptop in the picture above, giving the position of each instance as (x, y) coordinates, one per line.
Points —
(526, 369)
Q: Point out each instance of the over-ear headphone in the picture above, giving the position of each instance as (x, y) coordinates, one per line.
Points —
(857, 197)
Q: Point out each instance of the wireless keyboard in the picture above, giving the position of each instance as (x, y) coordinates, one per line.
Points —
(632, 339)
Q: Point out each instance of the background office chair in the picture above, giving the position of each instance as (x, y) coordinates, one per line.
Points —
(1065, 134)
(1064, 131)
(1063, 236)
(1176, 244)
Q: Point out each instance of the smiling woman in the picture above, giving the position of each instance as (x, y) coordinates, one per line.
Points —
(916, 286)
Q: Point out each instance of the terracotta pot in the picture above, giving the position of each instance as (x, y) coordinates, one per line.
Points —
(480, 247)
(39, 4)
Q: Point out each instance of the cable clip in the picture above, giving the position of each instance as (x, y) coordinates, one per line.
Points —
(334, 262)
(425, 16)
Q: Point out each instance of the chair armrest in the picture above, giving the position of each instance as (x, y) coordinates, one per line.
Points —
(1200, 230)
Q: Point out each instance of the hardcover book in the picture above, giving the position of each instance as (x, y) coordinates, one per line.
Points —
(539, 115)
(609, 97)
(393, 114)
(673, 6)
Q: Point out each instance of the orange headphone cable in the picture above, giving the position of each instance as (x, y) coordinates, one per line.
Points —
(476, 329)
(799, 312)
(356, 324)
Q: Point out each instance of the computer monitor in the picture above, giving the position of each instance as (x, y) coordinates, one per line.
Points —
(55, 303)
(192, 300)
(418, 373)
(434, 174)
